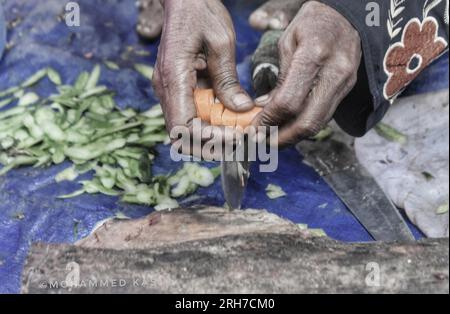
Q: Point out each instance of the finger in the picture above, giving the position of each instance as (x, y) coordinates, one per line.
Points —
(275, 14)
(287, 100)
(320, 106)
(175, 84)
(260, 19)
(286, 47)
(221, 61)
(150, 19)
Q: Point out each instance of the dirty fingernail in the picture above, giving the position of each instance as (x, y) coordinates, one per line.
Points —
(262, 99)
(241, 100)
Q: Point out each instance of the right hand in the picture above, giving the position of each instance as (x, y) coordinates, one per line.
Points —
(198, 36)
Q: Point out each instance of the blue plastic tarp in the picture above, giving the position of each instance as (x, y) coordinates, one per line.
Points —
(29, 210)
(2, 31)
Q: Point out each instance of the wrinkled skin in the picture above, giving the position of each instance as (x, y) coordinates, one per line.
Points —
(320, 53)
(198, 39)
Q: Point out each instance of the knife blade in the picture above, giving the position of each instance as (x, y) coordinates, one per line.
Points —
(235, 167)
(235, 175)
(339, 167)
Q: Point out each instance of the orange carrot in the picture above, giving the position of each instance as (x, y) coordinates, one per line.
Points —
(245, 119)
(229, 118)
(215, 113)
(203, 98)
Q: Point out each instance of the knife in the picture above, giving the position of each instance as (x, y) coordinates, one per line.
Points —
(339, 167)
(235, 167)
(336, 162)
(235, 175)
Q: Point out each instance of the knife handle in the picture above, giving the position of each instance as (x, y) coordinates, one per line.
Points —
(210, 110)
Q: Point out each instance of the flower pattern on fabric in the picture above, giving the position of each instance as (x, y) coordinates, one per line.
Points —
(420, 45)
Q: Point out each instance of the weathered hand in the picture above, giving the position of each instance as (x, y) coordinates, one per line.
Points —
(320, 53)
(275, 14)
(198, 37)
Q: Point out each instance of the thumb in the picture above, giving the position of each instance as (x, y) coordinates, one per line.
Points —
(223, 74)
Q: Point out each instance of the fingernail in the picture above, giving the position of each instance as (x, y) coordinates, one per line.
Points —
(262, 99)
(260, 15)
(275, 23)
(241, 100)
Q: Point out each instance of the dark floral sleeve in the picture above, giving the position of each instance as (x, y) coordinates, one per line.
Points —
(398, 43)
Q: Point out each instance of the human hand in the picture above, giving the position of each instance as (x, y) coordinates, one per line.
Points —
(198, 37)
(320, 53)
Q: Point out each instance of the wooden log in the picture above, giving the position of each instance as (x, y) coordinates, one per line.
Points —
(216, 251)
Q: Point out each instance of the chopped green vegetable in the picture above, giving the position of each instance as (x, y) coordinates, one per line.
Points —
(81, 81)
(9, 91)
(28, 99)
(34, 79)
(312, 232)
(302, 226)
(72, 195)
(69, 174)
(93, 92)
(189, 178)
(19, 93)
(145, 70)
(167, 203)
(111, 65)
(121, 216)
(200, 176)
(93, 78)
(391, 134)
(324, 134)
(182, 188)
(274, 191)
(6, 143)
(317, 233)
(6, 102)
(83, 124)
(54, 76)
(153, 113)
(443, 209)
(11, 112)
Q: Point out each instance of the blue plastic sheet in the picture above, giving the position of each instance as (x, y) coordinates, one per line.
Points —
(2, 31)
(29, 211)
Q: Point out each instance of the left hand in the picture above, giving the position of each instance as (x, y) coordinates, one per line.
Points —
(320, 53)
